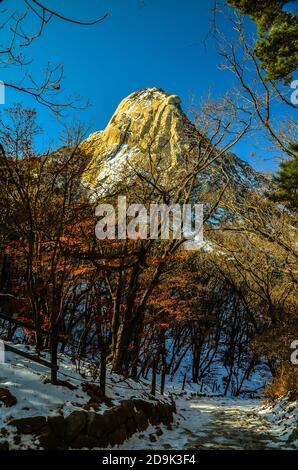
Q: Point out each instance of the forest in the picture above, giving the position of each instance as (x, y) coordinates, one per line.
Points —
(84, 313)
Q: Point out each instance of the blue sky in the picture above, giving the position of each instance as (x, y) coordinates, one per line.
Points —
(142, 43)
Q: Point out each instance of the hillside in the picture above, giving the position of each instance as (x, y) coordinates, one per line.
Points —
(36, 414)
(33, 412)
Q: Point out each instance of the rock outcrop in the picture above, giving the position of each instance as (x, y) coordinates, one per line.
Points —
(148, 124)
(7, 398)
(150, 130)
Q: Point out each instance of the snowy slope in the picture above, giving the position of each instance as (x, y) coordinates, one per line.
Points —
(200, 423)
(283, 416)
(29, 383)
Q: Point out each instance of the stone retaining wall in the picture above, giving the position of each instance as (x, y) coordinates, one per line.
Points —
(82, 429)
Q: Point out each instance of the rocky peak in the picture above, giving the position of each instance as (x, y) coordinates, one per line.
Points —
(147, 122)
(148, 126)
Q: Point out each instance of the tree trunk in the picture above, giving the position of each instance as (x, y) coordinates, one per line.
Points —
(153, 382)
(103, 369)
(123, 342)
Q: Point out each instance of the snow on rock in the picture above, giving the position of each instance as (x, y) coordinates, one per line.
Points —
(283, 417)
(29, 383)
(201, 422)
(149, 132)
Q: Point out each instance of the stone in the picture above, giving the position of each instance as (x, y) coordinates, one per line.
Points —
(93, 430)
(110, 420)
(83, 441)
(166, 413)
(118, 436)
(146, 406)
(4, 445)
(17, 439)
(31, 425)
(4, 432)
(95, 425)
(103, 441)
(75, 423)
(58, 425)
(166, 420)
(122, 414)
(94, 392)
(293, 436)
(129, 406)
(173, 406)
(131, 427)
(141, 420)
(49, 441)
(7, 398)
(155, 416)
(92, 405)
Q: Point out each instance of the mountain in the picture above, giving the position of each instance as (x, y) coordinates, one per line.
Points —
(149, 126)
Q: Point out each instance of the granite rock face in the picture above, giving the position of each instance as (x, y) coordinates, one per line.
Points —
(148, 126)
(149, 134)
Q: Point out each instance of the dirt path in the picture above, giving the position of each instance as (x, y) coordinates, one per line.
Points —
(208, 423)
(229, 425)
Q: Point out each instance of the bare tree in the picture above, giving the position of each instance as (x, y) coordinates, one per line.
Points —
(264, 97)
(132, 264)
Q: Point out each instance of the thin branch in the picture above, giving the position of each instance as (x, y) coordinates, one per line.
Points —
(64, 18)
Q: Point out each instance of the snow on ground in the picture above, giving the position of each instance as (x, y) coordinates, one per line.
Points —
(202, 422)
(215, 423)
(29, 383)
(214, 380)
(283, 416)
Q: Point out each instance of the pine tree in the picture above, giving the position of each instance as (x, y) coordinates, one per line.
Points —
(277, 44)
(286, 181)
